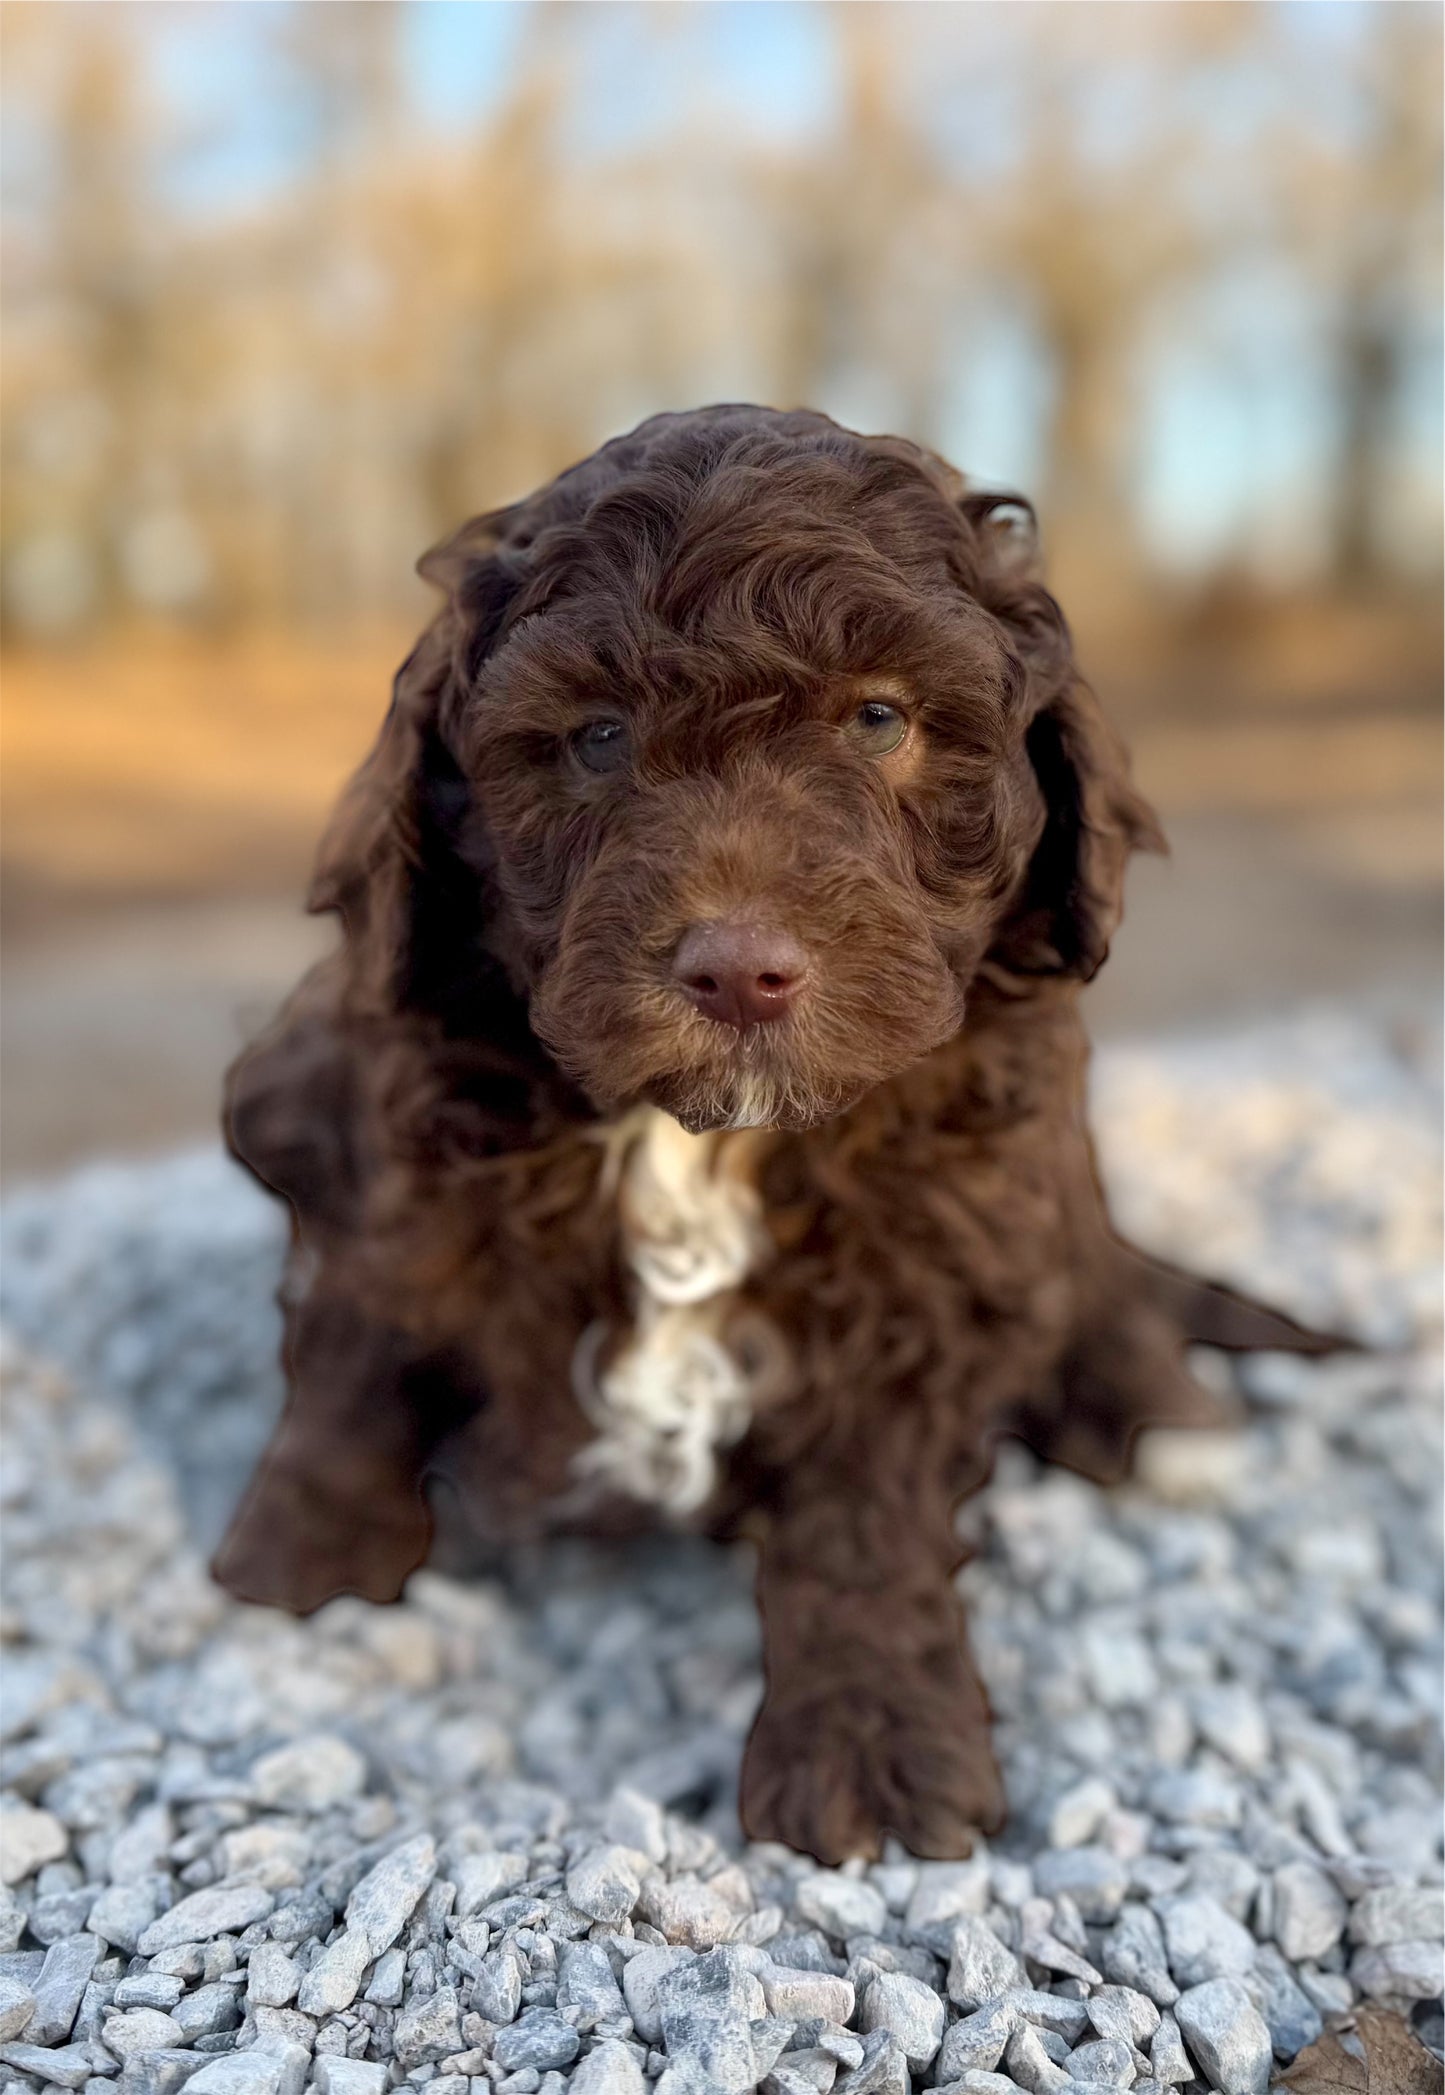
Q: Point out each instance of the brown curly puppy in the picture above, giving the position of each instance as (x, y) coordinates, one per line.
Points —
(692, 1124)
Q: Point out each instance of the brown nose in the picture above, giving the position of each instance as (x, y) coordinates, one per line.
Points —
(739, 974)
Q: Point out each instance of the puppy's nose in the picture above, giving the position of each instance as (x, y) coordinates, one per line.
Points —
(739, 974)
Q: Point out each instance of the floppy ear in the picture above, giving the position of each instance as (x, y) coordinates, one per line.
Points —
(388, 855)
(1073, 894)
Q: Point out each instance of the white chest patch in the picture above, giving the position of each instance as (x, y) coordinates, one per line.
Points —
(676, 1392)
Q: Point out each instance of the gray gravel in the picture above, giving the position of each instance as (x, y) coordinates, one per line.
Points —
(487, 1838)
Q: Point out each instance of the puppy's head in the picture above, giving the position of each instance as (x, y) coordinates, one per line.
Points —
(736, 752)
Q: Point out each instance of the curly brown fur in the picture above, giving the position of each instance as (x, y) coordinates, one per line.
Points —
(462, 1107)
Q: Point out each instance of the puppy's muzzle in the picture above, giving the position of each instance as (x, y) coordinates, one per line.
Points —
(739, 974)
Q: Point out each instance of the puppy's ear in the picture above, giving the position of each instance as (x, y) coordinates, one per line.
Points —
(388, 856)
(1073, 894)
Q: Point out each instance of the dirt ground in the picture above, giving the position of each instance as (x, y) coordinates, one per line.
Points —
(160, 815)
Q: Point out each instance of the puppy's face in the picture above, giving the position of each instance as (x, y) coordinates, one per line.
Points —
(750, 784)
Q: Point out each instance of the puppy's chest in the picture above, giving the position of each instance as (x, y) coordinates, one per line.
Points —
(681, 1382)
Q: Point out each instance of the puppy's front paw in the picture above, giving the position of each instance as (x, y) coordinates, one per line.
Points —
(832, 1776)
(295, 1544)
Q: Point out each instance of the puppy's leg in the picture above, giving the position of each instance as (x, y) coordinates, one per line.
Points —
(1207, 1313)
(874, 1720)
(1125, 1368)
(336, 1504)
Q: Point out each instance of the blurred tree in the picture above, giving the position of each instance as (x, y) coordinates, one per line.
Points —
(1101, 220)
(261, 408)
(1373, 227)
(863, 243)
(79, 447)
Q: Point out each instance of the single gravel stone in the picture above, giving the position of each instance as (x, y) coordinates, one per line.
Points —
(1412, 1970)
(1040, 1945)
(333, 2075)
(63, 1979)
(122, 1914)
(1397, 1913)
(1230, 1718)
(186, 1961)
(208, 2010)
(1107, 2061)
(944, 1892)
(883, 2070)
(978, 2041)
(1029, 2063)
(312, 1914)
(281, 2071)
(608, 2069)
(806, 1950)
(1196, 1797)
(141, 1849)
(604, 1885)
(1291, 2016)
(335, 1978)
(482, 1878)
(149, 1989)
(429, 2029)
(1133, 1954)
(1118, 2011)
(1309, 1914)
(223, 1911)
(913, 2012)
(1079, 1813)
(310, 1774)
(637, 1822)
(141, 2029)
(641, 1978)
(841, 1906)
(1168, 2060)
(386, 1897)
(706, 2009)
(497, 1993)
(1203, 1941)
(1065, 2016)
(28, 1839)
(388, 1979)
(981, 1967)
(155, 2073)
(687, 1910)
(1092, 1877)
(586, 1983)
(1227, 2035)
(1119, 1667)
(60, 1913)
(272, 1977)
(540, 2039)
(912, 1959)
(1231, 1880)
(795, 1995)
(831, 2037)
(69, 2066)
(17, 2005)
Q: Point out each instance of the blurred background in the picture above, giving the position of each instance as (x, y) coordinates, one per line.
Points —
(291, 289)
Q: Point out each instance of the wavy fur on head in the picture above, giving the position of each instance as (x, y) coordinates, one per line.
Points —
(462, 1106)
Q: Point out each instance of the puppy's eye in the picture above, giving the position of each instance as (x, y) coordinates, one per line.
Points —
(602, 745)
(878, 727)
